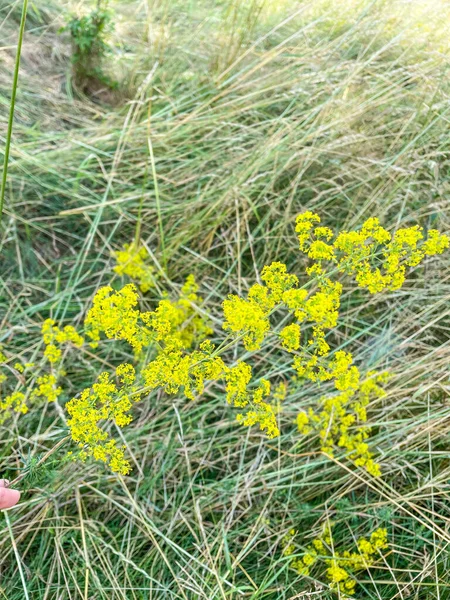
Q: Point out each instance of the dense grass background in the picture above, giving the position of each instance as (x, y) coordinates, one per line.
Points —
(255, 111)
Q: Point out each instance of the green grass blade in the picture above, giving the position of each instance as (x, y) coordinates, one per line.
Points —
(11, 109)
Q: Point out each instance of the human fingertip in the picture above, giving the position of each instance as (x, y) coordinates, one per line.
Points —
(9, 498)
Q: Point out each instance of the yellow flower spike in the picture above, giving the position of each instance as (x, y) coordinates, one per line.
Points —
(336, 422)
(335, 573)
(340, 566)
(320, 250)
(260, 295)
(303, 226)
(344, 373)
(303, 423)
(294, 300)
(126, 373)
(378, 539)
(318, 545)
(264, 415)
(288, 547)
(103, 402)
(323, 232)
(237, 379)
(378, 260)
(372, 229)
(179, 319)
(173, 369)
(69, 334)
(52, 353)
(262, 391)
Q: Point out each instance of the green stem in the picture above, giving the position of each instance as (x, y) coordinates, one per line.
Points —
(11, 108)
(137, 235)
(157, 198)
(16, 554)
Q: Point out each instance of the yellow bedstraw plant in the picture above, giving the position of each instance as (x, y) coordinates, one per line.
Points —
(184, 359)
(173, 352)
(341, 567)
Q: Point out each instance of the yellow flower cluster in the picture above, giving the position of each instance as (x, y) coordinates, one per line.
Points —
(316, 549)
(290, 337)
(339, 422)
(103, 402)
(259, 412)
(340, 566)
(172, 328)
(19, 402)
(176, 335)
(132, 261)
(376, 259)
(46, 389)
(367, 551)
(183, 319)
(116, 315)
(14, 402)
(249, 318)
(173, 369)
(54, 337)
(321, 310)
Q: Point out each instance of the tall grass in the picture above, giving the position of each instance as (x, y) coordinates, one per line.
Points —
(253, 111)
(12, 105)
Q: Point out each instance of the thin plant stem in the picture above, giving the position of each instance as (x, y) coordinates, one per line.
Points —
(155, 183)
(12, 106)
(137, 235)
(16, 554)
